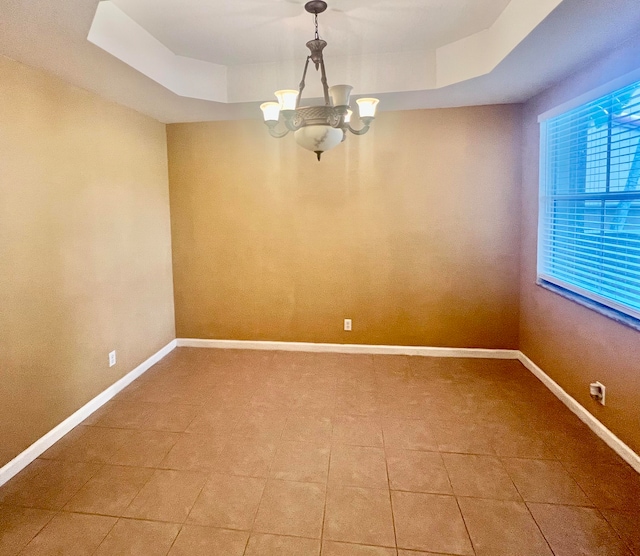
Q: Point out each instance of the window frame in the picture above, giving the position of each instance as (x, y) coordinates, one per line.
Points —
(609, 307)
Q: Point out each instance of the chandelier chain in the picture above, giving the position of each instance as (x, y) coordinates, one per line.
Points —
(317, 34)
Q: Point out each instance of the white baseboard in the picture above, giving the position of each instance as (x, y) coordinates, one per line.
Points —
(41, 445)
(477, 353)
(626, 453)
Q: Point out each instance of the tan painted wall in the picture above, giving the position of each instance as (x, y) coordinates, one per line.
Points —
(571, 343)
(85, 250)
(412, 231)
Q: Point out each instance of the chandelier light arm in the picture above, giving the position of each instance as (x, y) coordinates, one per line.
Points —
(367, 125)
(275, 133)
(358, 131)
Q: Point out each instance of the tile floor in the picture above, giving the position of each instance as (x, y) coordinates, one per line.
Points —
(231, 453)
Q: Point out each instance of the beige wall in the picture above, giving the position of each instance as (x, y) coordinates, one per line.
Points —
(85, 250)
(412, 231)
(573, 344)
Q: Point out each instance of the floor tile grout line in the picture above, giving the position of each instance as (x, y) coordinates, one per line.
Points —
(593, 505)
(539, 528)
(326, 492)
(176, 537)
(104, 538)
(513, 483)
(386, 463)
(379, 489)
(151, 475)
(128, 518)
(54, 514)
(604, 517)
(566, 467)
(268, 478)
(627, 544)
(466, 526)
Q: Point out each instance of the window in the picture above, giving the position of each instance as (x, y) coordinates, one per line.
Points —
(589, 230)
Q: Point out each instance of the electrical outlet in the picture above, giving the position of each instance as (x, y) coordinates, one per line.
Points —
(597, 390)
(347, 325)
(112, 358)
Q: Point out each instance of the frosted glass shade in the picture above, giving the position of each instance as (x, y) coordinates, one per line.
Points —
(319, 138)
(340, 94)
(367, 107)
(288, 98)
(270, 111)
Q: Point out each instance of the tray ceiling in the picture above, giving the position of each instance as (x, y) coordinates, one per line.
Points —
(190, 60)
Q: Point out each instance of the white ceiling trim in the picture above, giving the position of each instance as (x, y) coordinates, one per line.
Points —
(480, 54)
(118, 34)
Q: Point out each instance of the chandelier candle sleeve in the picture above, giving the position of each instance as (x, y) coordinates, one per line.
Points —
(367, 107)
(270, 111)
(340, 94)
(317, 128)
(288, 99)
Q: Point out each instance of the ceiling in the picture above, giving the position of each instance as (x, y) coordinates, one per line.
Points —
(190, 60)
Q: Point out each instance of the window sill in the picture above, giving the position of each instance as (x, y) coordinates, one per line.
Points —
(617, 316)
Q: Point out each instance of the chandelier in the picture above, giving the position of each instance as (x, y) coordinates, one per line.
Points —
(323, 127)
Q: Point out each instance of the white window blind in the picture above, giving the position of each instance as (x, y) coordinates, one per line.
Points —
(589, 230)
